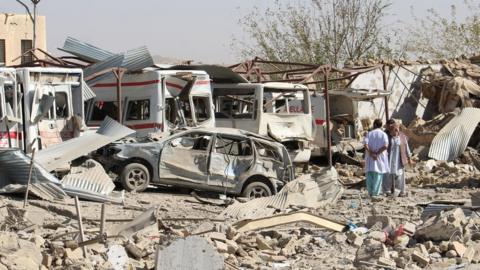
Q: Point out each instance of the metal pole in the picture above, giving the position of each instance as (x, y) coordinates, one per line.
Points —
(29, 179)
(327, 108)
(103, 219)
(80, 225)
(34, 42)
(119, 74)
(385, 88)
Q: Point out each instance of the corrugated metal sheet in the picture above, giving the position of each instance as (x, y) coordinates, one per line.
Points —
(90, 181)
(84, 50)
(453, 138)
(61, 154)
(87, 92)
(132, 60)
(307, 191)
(15, 168)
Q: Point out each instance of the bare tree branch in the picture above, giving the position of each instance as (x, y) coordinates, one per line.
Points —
(27, 8)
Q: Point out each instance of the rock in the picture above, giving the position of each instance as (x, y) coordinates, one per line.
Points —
(231, 232)
(338, 238)
(291, 247)
(451, 254)
(401, 262)
(386, 221)
(422, 249)
(420, 258)
(469, 254)
(434, 249)
(272, 258)
(216, 236)
(458, 247)
(444, 246)
(428, 245)
(442, 227)
(262, 244)
(475, 236)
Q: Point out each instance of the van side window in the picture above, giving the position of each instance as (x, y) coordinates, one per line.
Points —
(202, 108)
(235, 103)
(103, 109)
(138, 110)
(61, 105)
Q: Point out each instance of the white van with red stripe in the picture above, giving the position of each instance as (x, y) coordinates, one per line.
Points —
(155, 100)
(43, 103)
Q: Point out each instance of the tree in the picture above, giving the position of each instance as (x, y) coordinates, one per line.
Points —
(317, 31)
(436, 36)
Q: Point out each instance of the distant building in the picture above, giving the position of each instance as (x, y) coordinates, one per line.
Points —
(16, 37)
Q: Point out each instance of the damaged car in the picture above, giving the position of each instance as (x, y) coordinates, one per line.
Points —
(223, 160)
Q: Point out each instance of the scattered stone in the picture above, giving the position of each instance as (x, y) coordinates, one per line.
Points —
(420, 258)
(458, 247)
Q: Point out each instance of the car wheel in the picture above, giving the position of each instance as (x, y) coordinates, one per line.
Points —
(256, 190)
(135, 177)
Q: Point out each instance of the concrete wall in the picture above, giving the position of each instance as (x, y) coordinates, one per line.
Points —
(14, 28)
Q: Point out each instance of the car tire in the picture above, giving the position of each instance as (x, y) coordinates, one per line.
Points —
(135, 177)
(256, 190)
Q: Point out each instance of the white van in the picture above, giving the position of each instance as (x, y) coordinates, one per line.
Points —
(155, 100)
(268, 109)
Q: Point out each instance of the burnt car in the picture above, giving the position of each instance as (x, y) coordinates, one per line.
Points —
(223, 160)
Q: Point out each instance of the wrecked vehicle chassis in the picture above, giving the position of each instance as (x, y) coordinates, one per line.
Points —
(223, 160)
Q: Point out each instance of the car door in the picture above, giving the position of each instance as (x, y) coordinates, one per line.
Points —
(230, 158)
(184, 159)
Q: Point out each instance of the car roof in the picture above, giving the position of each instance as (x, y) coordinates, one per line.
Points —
(229, 131)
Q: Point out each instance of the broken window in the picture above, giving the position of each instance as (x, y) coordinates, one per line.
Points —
(233, 147)
(61, 105)
(267, 151)
(171, 111)
(138, 110)
(3, 58)
(195, 141)
(285, 101)
(235, 103)
(202, 108)
(103, 109)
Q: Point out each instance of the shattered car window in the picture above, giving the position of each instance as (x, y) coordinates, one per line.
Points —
(267, 151)
(202, 110)
(61, 105)
(235, 103)
(103, 109)
(232, 147)
(282, 101)
(196, 141)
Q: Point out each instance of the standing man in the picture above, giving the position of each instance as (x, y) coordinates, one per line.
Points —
(376, 163)
(399, 157)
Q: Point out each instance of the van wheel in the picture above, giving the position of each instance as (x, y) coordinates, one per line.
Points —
(135, 177)
(256, 190)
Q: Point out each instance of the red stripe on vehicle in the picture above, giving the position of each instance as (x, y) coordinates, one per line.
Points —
(202, 82)
(320, 122)
(174, 85)
(127, 84)
(11, 134)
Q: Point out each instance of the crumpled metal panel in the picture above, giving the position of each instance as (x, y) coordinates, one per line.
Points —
(60, 154)
(87, 92)
(311, 191)
(84, 50)
(90, 181)
(452, 140)
(14, 172)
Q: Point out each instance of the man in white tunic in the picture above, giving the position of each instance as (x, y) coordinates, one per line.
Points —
(376, 159)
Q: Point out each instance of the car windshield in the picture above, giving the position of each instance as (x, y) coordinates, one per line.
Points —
(285, 101)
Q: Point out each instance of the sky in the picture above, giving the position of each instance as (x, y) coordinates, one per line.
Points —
(199, 30)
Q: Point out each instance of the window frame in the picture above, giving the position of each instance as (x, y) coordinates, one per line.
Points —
(25, 57)
(129, 109)
(4, 52)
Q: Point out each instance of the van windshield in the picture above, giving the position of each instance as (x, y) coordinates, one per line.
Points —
(285, 101)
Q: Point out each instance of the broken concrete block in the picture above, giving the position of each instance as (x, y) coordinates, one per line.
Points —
(458, 247)
(444, 246)
(386, 221)
(422, 249)
(272, 258)
(401, 241)
(428, 245)
(231, 232)
(47, 260)
(221, 246)
(442, 227)
(409, 228)
(232, 246)
(378, 236)
(201, 255)
(338, 238)
(135, 251)
(354, 238)
(420, 258)
(74, 254)
(216, 236)
(291, 247)
(386, 262)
